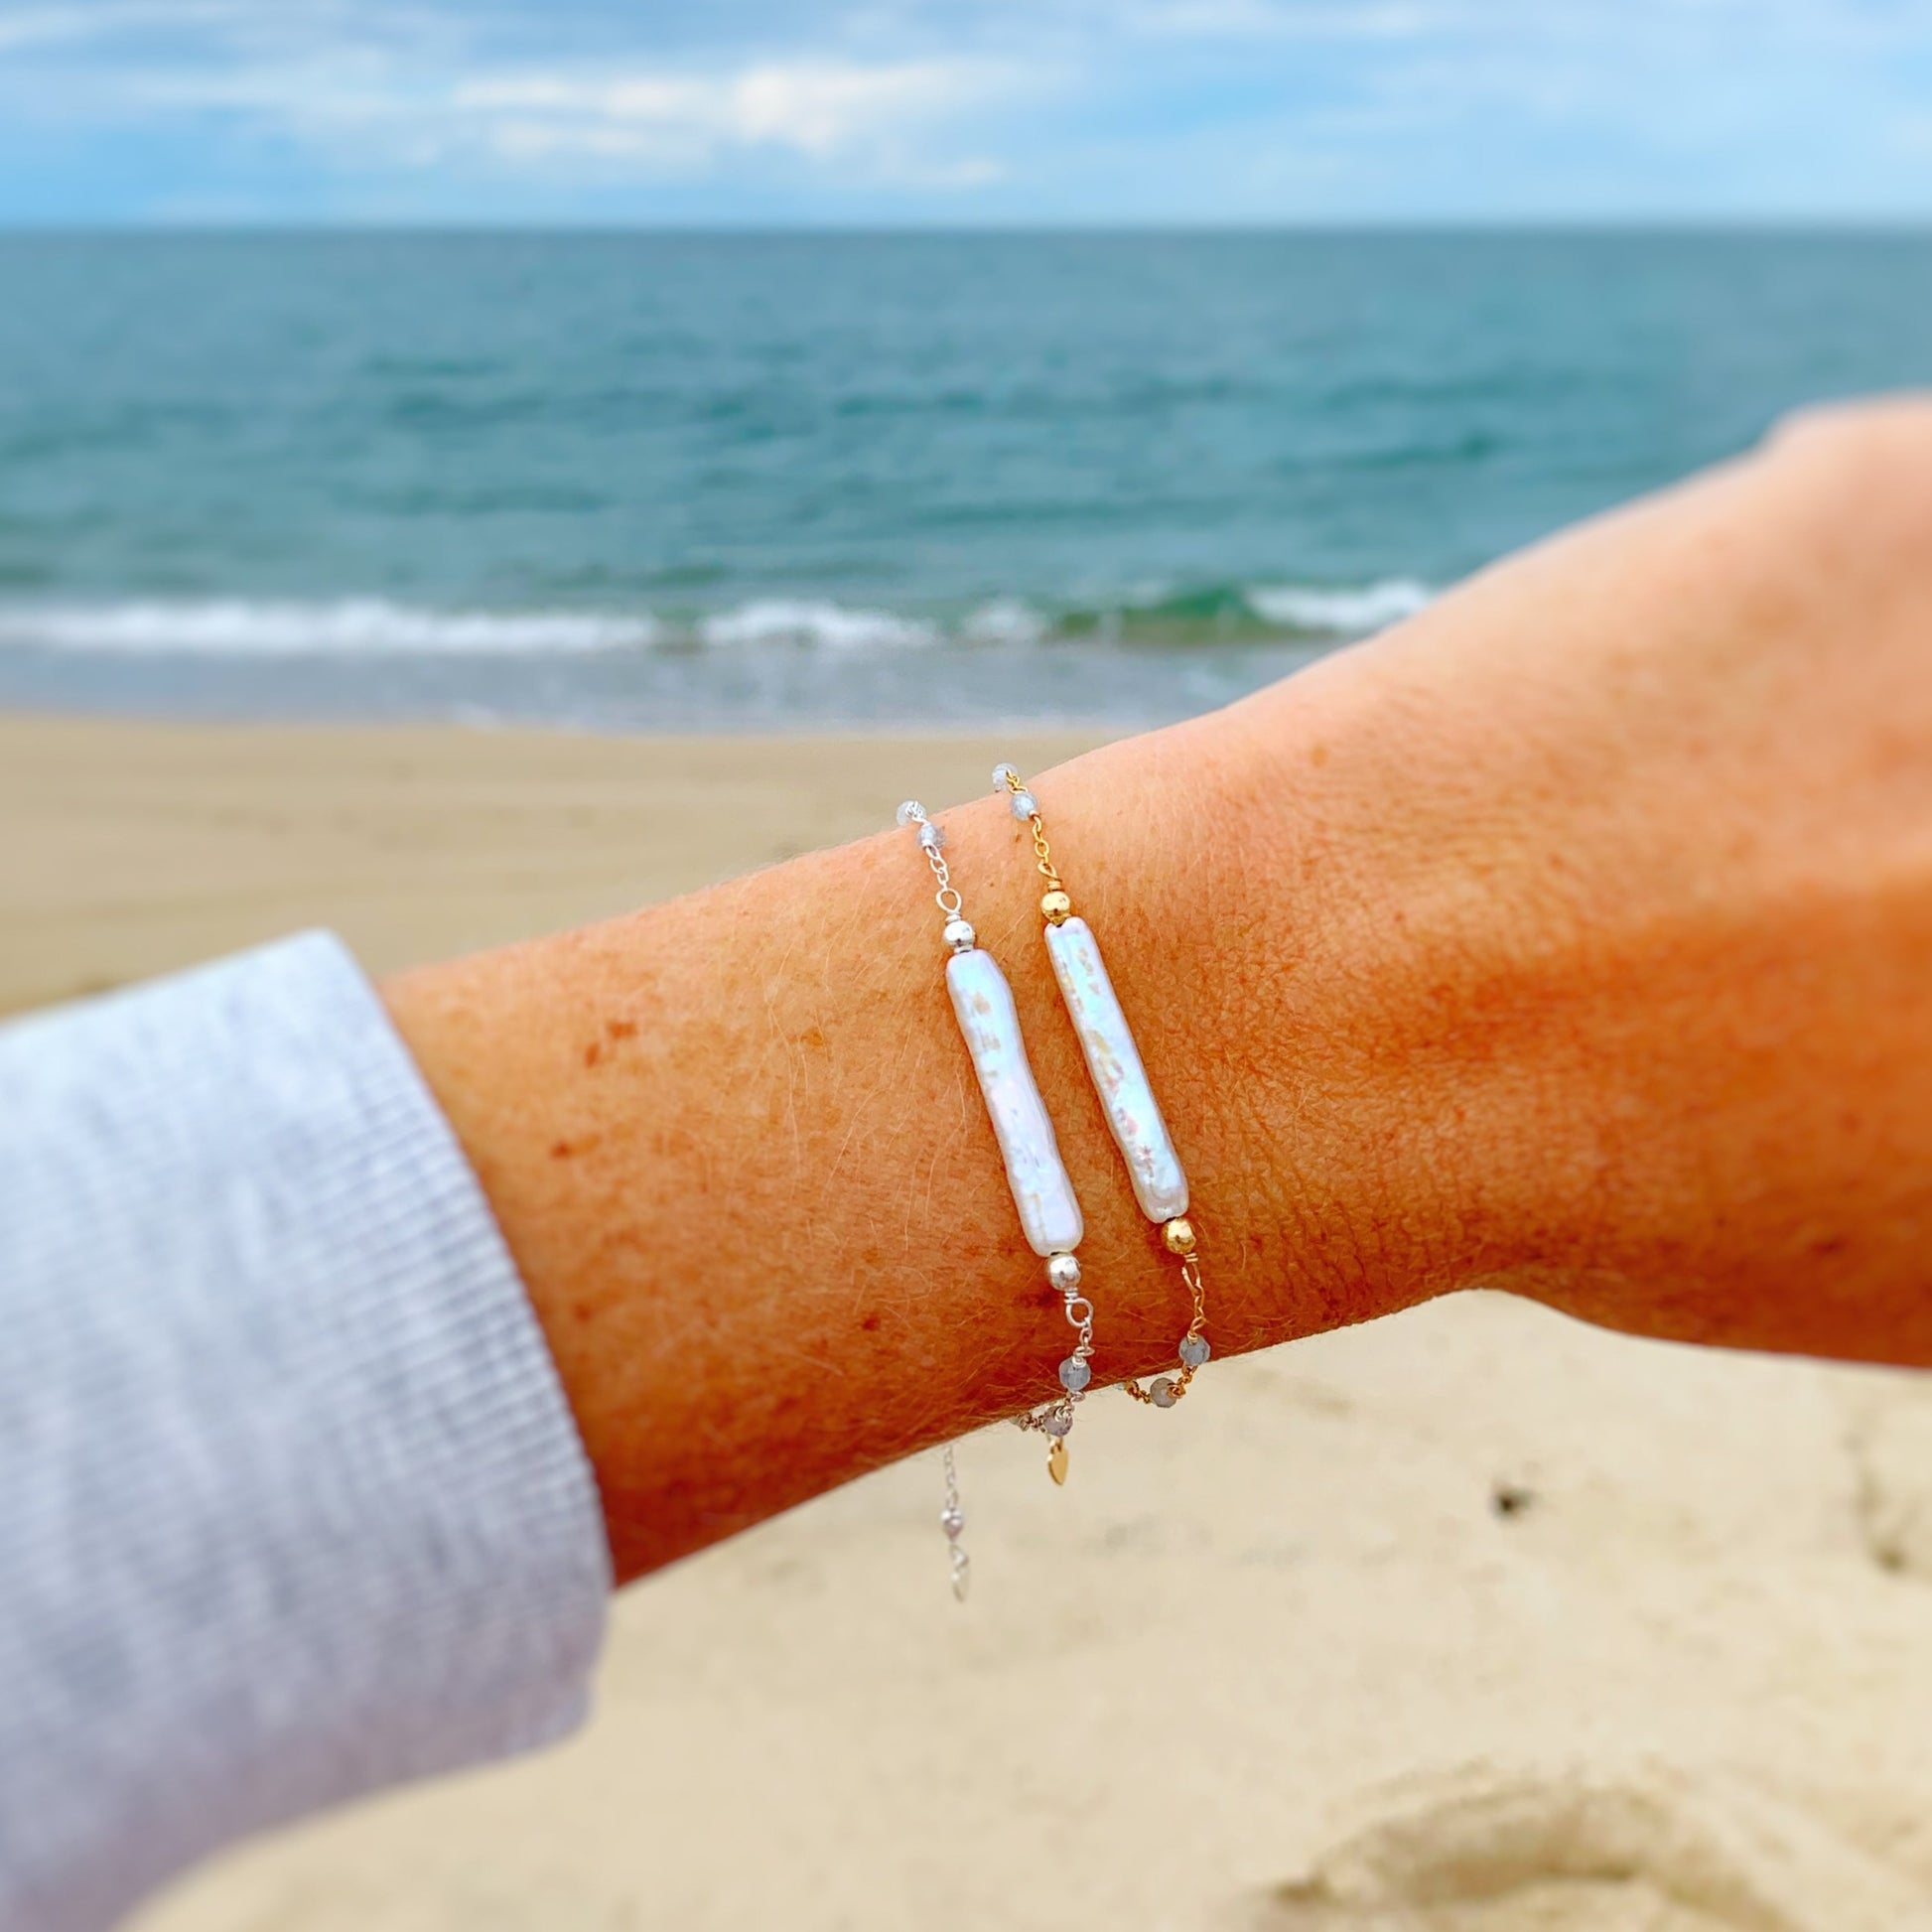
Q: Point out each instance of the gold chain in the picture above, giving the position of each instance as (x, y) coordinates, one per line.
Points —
(1191, 1274)
(1043, 852)
(1044, 857)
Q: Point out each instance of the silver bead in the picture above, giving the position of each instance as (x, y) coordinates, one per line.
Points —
(910, 814)
(959, 935)
(1195, 1350)
(1063, 1271)
(1003, 777)
(952, 1520)
(933, 836)
(1160, 1390)
(1057, 1422)
(1024, 805)
(1074, 1375)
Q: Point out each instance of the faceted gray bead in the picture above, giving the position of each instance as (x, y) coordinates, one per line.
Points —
(1161, 1390)
(1057, 1422)
(1001, 774)
(1075, 1374)
(1195, 1350)
(1022, 805)
(933, 836)
(953, 1521)
(910, 812)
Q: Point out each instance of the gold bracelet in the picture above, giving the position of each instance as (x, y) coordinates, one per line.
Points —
(1120, 1079)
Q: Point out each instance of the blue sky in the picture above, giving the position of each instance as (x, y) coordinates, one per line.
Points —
(963, 111)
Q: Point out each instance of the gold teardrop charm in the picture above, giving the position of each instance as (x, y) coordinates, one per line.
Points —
(1057, 1459)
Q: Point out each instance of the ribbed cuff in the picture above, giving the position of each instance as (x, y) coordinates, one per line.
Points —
(294, 1506)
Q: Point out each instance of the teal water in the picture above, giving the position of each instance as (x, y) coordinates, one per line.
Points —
(691, 481)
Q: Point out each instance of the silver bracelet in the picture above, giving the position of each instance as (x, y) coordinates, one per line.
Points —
(1042, 1187)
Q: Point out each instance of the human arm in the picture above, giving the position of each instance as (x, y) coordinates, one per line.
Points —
(1573, 937)
(293, 1506)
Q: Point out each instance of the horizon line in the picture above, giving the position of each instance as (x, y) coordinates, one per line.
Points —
(1422, 226)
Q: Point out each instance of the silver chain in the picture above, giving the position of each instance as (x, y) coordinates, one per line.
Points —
(1083, 1350)
(952, 1519)
(947, 896)
(1056, 1418)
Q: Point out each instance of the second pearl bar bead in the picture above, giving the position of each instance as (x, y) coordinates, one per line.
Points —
(1043, 1192)
(1119, 1078)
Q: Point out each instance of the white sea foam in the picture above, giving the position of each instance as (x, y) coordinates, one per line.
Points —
(1350, 613)
(785, 621)
(376, 626)
(1004, 620)
(237, 627)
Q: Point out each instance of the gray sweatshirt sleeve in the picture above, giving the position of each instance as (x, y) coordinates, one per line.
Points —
(291, 1503)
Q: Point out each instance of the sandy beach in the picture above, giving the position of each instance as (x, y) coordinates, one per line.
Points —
(1476, 1620)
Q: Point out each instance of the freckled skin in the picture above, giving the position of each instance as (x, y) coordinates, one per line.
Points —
(1574, 937)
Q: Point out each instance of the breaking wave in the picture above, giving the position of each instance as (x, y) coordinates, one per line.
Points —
(1186, 617)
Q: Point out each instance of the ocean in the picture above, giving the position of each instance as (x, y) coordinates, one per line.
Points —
(703, 482)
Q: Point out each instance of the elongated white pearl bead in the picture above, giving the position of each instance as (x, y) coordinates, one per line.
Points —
(1050, 1214)
(1118, 1075)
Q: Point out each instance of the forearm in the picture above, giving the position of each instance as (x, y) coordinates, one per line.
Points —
(736, 1145)
(1572, 938)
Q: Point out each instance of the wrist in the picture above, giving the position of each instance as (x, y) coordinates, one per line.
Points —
(1369, 1082)
(1237, 873)
(731, 1144)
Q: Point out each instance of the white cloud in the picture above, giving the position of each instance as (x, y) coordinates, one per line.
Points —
(25, 29)
(1250, 110)
(428, 103)
(38, 27)
(413, 88)
(1269, 20)
(822, 110)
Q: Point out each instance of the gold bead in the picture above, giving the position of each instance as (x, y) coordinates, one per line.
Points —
(1054, 906)
(1178, 1234)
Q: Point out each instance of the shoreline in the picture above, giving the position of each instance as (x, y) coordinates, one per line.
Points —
(136, 846)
